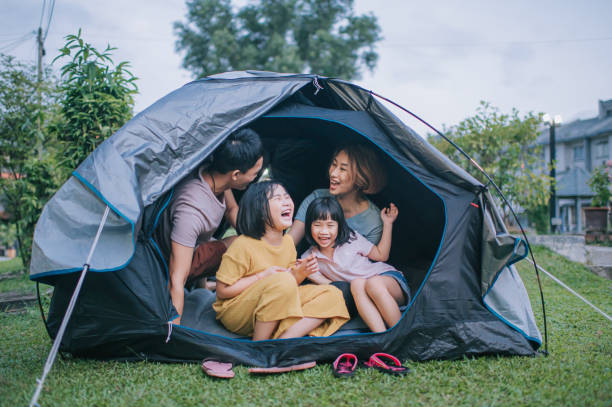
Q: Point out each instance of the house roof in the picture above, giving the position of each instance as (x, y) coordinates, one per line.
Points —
(578, 129)
(573, 183)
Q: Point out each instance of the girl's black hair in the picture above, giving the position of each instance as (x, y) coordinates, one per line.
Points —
(254, 209)
(327, 208)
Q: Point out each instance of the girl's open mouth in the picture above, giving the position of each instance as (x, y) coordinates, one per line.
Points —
(324, 240)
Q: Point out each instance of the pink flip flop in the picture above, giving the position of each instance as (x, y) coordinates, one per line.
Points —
(283, 369)
(215, 368)
(387, 364)
(344, 366)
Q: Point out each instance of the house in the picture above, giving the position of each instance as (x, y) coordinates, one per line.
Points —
(581, 146)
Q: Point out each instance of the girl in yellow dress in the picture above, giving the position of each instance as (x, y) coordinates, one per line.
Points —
(258, 291)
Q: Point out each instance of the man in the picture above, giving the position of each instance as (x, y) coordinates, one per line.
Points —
(198, 207)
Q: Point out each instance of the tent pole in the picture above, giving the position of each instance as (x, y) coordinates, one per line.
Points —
(466, 155)
(71, 304)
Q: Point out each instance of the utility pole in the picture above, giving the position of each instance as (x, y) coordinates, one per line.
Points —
(553, 192)
(41, 54)
(552, 123)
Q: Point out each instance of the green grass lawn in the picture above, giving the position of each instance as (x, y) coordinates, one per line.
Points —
(20, 282)
(577, 372)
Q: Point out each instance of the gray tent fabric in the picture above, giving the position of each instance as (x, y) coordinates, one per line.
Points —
(144, 159)
(467, 297)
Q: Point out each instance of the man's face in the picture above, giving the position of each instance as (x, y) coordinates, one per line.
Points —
(241, 180)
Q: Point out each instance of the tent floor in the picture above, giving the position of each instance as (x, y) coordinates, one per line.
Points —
(199, 314)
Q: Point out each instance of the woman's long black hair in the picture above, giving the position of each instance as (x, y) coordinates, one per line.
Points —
(254, 209)
(325, 208)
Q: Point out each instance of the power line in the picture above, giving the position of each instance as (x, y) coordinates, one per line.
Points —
(49, 19)
(12, 44)
(42, 13)
(494, 43)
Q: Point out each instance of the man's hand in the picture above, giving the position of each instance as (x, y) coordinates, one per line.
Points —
(180, 263)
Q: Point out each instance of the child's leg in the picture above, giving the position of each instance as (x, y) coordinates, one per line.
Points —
(301, 328)
(387, 294)
(264, 330)
(367, 309)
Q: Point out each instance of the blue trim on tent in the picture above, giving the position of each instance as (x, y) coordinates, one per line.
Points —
(411, 173)
(72, 270)
(426, 275)
(162, 209)
(161, 256)
(405, 168)
(504, 320)
(517, 241)
(536, 340)
(155, 246)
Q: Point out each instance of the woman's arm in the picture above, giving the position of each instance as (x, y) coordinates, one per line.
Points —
(297, 231)
(380, 252)
(225, 291)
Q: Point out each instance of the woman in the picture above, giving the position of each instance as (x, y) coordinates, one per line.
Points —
(355, 171)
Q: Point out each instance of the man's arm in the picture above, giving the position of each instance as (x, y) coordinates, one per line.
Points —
(231, 211)
(180, 264)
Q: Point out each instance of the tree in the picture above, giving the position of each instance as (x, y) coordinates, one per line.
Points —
(600, 185)
(301, 36)
(28, 177)
(96, 99)
(504, 146)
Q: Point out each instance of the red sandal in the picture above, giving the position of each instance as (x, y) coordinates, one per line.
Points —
(387, 364)
(344, 366)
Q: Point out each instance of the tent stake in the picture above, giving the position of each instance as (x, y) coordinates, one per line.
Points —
(71, 304)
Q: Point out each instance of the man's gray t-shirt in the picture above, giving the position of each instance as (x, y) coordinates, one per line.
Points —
(193, 216)
(367, 223)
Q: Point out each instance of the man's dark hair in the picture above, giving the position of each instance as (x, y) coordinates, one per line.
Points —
(325, 208)
(254, 209)
(240, 151)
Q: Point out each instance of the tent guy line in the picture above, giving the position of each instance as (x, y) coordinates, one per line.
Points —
(568, 288)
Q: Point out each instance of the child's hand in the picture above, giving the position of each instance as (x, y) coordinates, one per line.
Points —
(310, 264)
(271, 270)
(305, 267)
(389, 215)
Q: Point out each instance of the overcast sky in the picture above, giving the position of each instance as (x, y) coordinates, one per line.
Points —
(438, 59)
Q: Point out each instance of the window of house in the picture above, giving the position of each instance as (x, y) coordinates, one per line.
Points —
(601, 149)
(579, 153)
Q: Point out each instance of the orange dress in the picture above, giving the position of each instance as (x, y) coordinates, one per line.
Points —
(276, 297)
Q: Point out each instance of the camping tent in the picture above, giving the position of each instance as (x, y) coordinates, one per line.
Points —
(449, 240)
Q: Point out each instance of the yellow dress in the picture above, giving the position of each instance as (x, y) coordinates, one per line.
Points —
(276, 297)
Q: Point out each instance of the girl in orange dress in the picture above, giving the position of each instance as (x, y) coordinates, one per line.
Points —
(258, 291)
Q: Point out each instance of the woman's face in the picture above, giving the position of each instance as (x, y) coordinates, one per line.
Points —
(341, 177)
(324, 232)
(281, 208)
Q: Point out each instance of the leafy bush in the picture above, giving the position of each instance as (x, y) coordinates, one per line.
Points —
(600, 184)
(28, 176)
(97, 99)
(504, 146)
